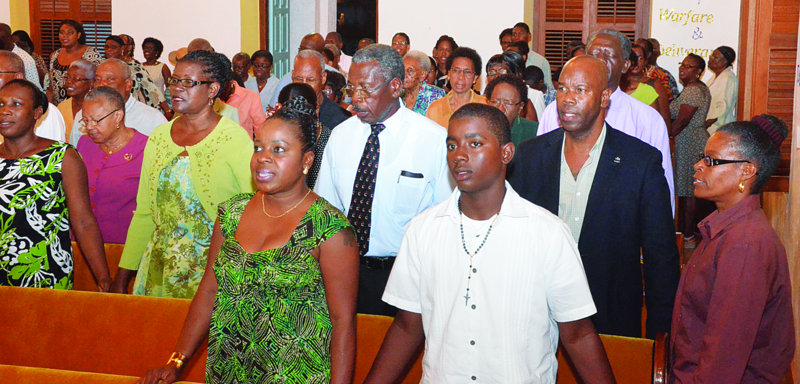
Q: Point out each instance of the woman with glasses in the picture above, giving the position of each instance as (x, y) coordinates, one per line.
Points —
(418, 96)
(262, 81)
(688, 129)
(278, 300)
(463, 69)
(73, 47)
(509, 94)
(732, 321)
(43, 195)
(401, 43)
(190, 165)
(80, 77)
(113, 156)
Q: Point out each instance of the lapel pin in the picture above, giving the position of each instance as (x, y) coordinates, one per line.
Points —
(617, 160)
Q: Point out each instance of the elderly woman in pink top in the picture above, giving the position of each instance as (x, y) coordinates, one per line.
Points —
(113, 155)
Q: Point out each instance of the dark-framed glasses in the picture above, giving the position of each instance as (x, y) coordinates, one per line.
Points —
(186, 83)
(86, 121)
(362, 92)
(712, 162)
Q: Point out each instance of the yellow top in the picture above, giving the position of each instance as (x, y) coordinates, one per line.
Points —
(440, 111)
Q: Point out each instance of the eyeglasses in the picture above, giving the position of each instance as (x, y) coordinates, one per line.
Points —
(262, 66)
(186, 83)
(401, 43)
(495, 72)
(362, 92)
(684, 65)
(411, 72)
(75, 79)
(712, 162)
(460, 71)
(504, 103)
(85, 122)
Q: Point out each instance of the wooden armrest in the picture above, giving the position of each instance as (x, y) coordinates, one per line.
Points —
(661, 359)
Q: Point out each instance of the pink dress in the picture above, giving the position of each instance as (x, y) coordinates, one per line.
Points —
(113, 183)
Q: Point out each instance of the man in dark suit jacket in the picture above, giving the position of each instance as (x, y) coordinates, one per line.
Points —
(626, 212)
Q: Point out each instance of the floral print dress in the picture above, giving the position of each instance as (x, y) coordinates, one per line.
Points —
(58, 73)
(35, 249)
(175, 258)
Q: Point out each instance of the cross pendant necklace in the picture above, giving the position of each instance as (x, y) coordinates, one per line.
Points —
(471, 254)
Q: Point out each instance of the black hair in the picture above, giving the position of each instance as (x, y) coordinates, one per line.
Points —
(39, 98)
(448, 39)
(634, 58)
(505, 32)
(301, 112)
(522, 46)
(467, 53)
(434, 67)
(514, 62)
(759, 142)
(215, 65)
(532, 74)
(511, 80)
(494, 60)
(238, 79)
(261, 53)
(524, 26)
(403, 35)
(329, 55)
(336, 81)
(646, 46)
(77, 27)
(116, 39)
(700, 61)
(728, 53)
(25, 39)
(496, 121)
(293, 90)
(572, 47)
(157, 45)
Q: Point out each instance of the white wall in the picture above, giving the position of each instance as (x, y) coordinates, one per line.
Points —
(5, 12)
(472, 23)
(177, 22)
(309, 16)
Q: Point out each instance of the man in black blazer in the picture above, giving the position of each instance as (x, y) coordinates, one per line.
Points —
(610, 189)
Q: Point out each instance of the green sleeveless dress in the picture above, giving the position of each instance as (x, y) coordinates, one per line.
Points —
(270, 322)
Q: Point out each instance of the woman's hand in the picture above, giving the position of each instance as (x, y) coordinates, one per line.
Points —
(164, 374)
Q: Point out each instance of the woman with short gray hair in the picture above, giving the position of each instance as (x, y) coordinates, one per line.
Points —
(417, 95)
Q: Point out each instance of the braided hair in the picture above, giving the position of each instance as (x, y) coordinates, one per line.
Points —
(300, 112)
(215, 65)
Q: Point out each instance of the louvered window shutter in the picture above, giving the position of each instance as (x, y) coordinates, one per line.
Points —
(47, 15)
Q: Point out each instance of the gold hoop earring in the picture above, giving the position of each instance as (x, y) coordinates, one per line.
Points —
(741, 186)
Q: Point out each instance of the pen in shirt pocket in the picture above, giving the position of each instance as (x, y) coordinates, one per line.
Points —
(412, 175)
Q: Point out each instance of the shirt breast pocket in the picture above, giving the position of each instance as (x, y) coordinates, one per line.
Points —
(410, 192)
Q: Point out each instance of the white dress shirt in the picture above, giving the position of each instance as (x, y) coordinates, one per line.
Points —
(527, 277)
(634, 118)
(266, 93)
(138, 116)
(31, 74)
(412, 173)
(344, 63)
(51, 125)
(537, 99)
(724, 96)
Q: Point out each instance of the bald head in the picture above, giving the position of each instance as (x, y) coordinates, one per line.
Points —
(199, 44)
(583, 95)
(116, 74)
(313, 41)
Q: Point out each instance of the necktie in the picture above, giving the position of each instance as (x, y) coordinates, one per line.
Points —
(360, 213)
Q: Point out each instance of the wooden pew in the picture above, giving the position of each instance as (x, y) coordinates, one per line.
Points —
(633, 360)
(83, 280)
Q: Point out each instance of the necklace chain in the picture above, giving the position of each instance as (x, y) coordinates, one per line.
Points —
(464, 244)
(264, 207)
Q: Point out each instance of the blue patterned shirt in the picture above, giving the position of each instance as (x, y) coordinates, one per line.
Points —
(427, 95)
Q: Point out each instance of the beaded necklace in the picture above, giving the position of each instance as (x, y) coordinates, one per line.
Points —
(464, 244)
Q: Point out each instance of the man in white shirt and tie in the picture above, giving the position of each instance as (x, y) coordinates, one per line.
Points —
(381, 167)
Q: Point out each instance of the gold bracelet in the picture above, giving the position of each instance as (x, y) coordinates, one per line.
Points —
(177, 358)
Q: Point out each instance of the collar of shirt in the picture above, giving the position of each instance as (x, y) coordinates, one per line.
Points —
(715, 223)
(511, 206)
(594, 153)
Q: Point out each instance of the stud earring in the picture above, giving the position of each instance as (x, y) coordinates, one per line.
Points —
(741, 187)
(305, 171)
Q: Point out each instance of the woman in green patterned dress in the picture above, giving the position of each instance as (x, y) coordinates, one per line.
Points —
(278, 298)
(43, 192)
(190, 166)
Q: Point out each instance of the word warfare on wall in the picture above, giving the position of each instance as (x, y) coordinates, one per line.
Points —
(686, 18)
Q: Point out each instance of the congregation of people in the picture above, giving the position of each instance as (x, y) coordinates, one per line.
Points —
(493, 223)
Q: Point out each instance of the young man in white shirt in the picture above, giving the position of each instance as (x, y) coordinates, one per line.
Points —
(488, 303)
